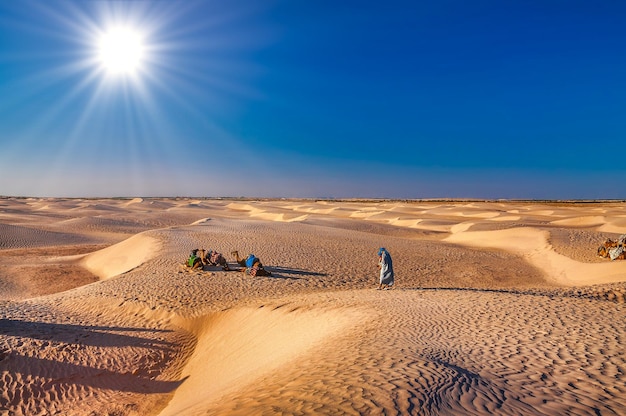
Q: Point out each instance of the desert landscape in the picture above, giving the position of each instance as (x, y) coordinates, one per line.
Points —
(498, 307)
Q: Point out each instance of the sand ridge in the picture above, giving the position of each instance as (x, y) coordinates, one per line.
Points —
(500, 308)
(237, 347)
(121, 257)
(533, 245)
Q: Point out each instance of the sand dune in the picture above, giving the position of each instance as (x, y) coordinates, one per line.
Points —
(499, 308)
(237, 347)
(616, 225)
(121, 257)
(533, 245)
(133, 201)
(581, 221)
(506, 218)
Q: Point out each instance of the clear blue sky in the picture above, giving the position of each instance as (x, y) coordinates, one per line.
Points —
(392, 99)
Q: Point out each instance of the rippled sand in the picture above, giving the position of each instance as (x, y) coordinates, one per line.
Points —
(499, 308)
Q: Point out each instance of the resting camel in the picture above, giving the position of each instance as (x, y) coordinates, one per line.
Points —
(213, 258)
(194, 261)
(616, 250)
(240, 261)
(251, 265)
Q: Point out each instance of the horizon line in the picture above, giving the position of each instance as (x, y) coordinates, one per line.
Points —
(334, 199)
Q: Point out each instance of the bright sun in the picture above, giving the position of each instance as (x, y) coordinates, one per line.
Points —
(121, 50)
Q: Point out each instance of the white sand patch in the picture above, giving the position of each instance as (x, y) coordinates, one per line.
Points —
(132, 202)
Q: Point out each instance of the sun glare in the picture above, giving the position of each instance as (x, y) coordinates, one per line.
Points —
(121, 50)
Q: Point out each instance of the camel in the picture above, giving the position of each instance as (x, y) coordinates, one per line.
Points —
(615, 250)
(255, 269)
(240, 261)
(194, 261)
(213, 258)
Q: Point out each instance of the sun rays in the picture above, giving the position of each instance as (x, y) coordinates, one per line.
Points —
(116, 92)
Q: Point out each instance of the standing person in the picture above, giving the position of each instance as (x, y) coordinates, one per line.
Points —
(386, 269)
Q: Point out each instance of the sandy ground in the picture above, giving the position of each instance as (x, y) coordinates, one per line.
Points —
(498, 308)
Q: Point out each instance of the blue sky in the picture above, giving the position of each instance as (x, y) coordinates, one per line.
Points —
(415, 99)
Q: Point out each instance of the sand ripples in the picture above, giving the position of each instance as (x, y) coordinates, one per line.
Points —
(457, 353)
(470, 329)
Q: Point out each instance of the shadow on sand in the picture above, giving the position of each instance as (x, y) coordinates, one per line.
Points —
(47, 374)
(283, 273)
(99, 336)
(64, 342)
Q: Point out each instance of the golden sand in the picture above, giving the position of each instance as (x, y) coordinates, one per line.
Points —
(498, 308)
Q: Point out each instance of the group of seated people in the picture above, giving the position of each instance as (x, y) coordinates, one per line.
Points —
(251, 265)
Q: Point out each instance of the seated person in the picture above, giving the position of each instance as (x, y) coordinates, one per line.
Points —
(194, 261)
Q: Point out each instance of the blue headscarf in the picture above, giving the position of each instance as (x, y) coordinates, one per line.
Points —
(381, 250)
